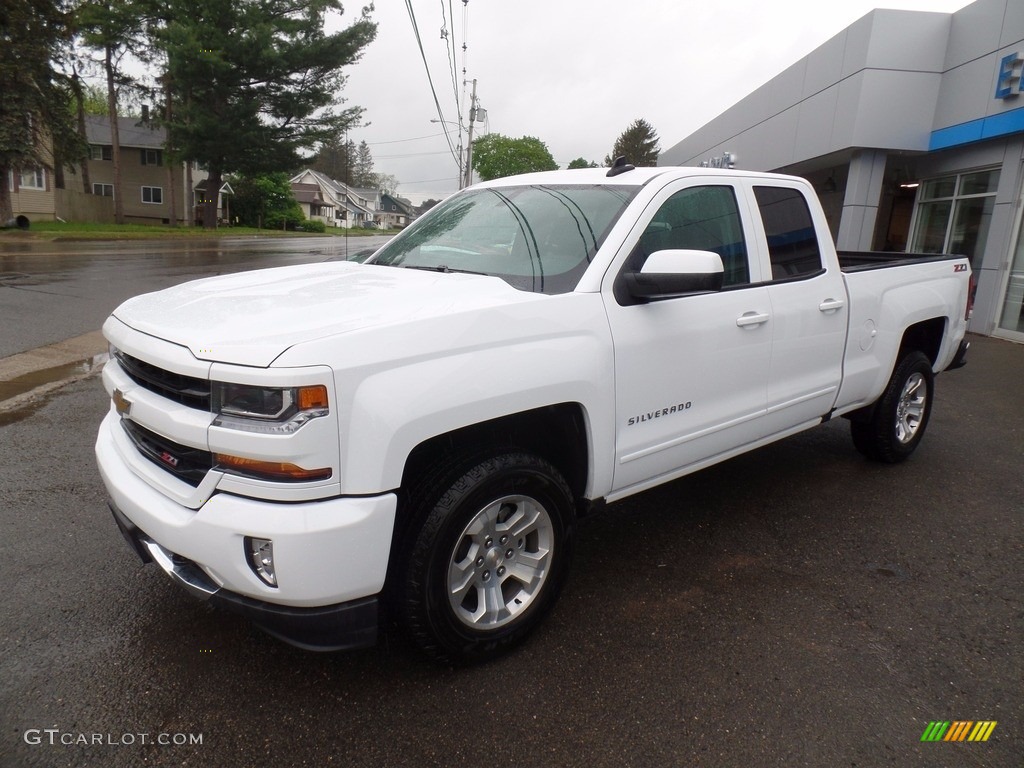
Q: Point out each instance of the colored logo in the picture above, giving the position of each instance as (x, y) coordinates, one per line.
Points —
(121, 403)
(958, 730)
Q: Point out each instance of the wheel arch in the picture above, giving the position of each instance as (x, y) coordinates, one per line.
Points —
(557, 433)
(925, 336)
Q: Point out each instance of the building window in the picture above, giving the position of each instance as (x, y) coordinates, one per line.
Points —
(150, 156)
(103, 190)
(954, 213)
(792, 239)
(34, 178)
(152, 195)
(102, 152)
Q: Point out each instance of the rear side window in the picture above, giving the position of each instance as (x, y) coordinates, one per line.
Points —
(792, 239)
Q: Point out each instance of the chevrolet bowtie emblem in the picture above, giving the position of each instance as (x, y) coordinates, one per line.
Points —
(121, 403)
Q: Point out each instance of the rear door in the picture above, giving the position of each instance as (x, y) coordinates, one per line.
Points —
(691, 372)
(808, 306)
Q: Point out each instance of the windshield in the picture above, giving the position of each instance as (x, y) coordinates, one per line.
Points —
(536, 238)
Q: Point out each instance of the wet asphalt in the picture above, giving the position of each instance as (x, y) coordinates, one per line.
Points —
(796, 606)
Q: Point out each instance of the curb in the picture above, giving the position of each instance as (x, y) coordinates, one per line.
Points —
(29, 376)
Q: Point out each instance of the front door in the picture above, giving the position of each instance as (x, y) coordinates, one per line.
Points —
(691, 372)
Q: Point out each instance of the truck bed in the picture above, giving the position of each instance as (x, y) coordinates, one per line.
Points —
(860, 261)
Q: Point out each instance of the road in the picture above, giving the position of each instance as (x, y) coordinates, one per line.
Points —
(52, 291)
(797, 606)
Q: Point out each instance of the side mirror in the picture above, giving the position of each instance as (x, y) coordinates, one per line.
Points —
(671, 273)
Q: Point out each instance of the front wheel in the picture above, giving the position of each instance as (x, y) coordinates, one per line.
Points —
(898, 420)
(490, 556)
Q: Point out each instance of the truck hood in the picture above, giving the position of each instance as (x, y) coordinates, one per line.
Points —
(251, 318)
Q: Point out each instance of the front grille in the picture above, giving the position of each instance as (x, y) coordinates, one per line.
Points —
(188, 464)
(187, 390)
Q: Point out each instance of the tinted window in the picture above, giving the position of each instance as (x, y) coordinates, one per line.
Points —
(536, 238)
(702, 219)
(792, 239)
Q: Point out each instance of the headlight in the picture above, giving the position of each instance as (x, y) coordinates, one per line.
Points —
(269, 410)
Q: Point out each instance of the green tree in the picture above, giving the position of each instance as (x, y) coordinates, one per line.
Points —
(113, 27)
(496, 156)
(36, 127)
(256, 82)
(386, 182)
(266, 201)
(362, 171)
(579, 162)
(335, 160)
(638, 144)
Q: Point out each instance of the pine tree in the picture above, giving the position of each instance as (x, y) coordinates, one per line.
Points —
(256, 82)
(638, 144)
(36, 127)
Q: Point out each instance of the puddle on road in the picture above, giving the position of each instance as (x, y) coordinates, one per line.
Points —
(44, 381)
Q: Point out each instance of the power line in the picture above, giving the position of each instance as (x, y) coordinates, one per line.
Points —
(430, 80)
(412, 154)
(399, 141)
(449, 48)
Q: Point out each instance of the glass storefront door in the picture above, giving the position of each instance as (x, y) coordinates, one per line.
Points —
(1011, 318)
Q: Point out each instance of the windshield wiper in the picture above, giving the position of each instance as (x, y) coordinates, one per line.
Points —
(442, 268)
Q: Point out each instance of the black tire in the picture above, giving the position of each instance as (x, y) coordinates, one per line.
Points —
(892, 429)
(503, 529)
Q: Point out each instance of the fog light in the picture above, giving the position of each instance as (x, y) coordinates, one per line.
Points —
(261, 559)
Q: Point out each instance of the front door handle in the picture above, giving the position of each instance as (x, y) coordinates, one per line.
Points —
(751, 318)
(831, 305)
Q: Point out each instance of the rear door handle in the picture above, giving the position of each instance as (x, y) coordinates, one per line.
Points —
(751, 318)
(831, 305)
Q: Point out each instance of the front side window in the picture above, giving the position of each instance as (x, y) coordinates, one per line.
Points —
(103, 190)
(102, 152)
(150, 156)
(954, 214)
(152, 194)
(701, 219)
(536, 238)
(789, 228)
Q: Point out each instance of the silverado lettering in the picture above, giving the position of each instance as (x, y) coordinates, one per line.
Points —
(657, 414)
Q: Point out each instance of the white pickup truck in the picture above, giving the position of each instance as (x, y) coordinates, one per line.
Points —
(320, 447)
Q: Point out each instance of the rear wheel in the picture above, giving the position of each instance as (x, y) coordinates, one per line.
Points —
(897, 422)
(490, 557)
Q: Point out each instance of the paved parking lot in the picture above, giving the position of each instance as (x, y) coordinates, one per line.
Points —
(793, 607)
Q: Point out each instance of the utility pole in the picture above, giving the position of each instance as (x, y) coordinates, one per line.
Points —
(469, 147)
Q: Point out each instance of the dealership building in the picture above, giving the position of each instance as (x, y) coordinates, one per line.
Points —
(910, 125)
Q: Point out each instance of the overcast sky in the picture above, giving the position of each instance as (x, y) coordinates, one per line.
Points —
(574, 73)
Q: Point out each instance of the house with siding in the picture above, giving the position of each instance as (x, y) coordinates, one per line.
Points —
(147, 180)
(396, 212)
(332, 202)
(32, 193)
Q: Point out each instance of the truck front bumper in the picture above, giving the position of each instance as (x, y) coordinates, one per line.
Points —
(330, 556)
(327, 628)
